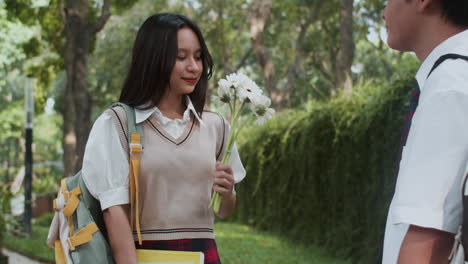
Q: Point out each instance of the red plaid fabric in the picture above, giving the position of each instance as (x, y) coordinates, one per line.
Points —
(207, 246)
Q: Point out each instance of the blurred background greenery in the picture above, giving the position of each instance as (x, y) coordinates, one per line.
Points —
(320, 173)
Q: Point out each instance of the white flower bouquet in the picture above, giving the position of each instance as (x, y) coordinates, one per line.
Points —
(240, 92)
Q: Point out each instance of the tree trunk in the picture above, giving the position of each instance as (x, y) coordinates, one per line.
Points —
(346, 54)
(299, 53)
(8, 162)
(77, 108)
(226, 53)
(77, 105)
(258, 16)
(69, 136)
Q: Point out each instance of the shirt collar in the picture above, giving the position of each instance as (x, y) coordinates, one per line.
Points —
(454, 44)
(142, 115)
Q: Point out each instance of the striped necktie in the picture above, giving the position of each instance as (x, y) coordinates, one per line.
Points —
(413, 104)
(414, 100)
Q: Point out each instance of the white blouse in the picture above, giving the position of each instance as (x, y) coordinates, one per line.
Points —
(105, 163)
(175, 127)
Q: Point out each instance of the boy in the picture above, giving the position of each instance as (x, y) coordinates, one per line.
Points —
(426, 209)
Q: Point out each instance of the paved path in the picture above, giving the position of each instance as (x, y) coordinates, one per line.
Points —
(15, 258)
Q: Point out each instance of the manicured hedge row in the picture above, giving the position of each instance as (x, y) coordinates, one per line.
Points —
(324, 174)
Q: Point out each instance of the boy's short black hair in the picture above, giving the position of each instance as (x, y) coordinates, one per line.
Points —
(455, 11)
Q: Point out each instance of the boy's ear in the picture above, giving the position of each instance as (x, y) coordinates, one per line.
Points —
(424, 5)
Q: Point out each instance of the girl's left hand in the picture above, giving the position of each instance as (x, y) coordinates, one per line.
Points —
(223, 179)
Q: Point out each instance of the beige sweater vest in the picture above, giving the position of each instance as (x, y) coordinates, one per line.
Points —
(176, 176)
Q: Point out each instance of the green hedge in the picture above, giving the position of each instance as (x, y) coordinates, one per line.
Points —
(324, 174)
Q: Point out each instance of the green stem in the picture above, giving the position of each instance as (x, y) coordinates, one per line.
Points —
(233, 134)
(241, 126)
(215, 202)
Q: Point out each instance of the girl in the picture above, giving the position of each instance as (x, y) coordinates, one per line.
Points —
(166, 84)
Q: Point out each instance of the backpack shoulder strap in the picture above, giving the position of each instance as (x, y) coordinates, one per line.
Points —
(442, 58)
(464, 236)
(132, 126)
(135, 137)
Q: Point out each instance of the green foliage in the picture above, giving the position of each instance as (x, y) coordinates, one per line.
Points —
(43, 220)
(109, 63)
(48, 137)
(226, 28)
(323, 174)
(12, 35)
(12, 121)
(47, 182)
(34, 245)
(4, 207)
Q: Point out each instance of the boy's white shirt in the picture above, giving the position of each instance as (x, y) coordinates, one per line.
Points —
(428, 191)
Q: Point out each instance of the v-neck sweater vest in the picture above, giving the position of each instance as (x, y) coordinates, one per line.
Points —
(176, 176)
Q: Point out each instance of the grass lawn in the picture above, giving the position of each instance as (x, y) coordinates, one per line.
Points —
(238, 244)
(241, 244)
(34, 246)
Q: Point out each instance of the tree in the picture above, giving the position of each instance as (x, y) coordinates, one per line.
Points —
(109, 62)
(259, 14)
(346, 54)
(77, 102)
(294, 52)
(69, 28)
(294, 68)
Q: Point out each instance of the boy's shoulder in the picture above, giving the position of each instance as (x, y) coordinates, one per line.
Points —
(446, 70)
(451, 74)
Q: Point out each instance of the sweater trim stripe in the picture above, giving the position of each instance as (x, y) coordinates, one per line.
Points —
(162, 134)
(121, 125)
(176, 230)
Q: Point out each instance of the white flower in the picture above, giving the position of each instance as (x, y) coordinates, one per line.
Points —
(246, 89)
(237, 79)
(265, 116)
(260, 101)
(224, 83)
(261, 108)
(248, 95)
(225, 91)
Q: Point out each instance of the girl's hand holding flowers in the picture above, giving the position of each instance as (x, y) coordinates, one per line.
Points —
(223, 179)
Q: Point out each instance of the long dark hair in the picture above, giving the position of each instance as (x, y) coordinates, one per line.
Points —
(153, 57)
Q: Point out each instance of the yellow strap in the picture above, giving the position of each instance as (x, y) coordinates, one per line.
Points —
(64, 189)
(59, 253)
(66, 196)
(71, 226)
(71, 197)
(76, 191)
(62, 185)
(83, 236)
(132, 193)
(135, 156)
(72, 202)
(71, 206)
(54, 203)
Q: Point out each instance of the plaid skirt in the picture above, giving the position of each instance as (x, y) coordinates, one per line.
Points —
(207, 246)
